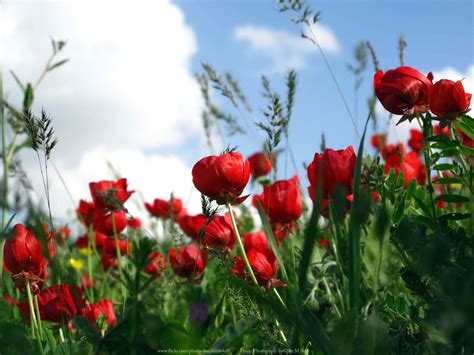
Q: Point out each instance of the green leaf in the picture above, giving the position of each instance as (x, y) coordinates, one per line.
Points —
(344, 333)
(466, 150)
(18, 81)
(452, 198)
(355, 228)
(58, 64)
(445, 144)
(447, 180)
(376, 249)
(372, 337)
(29, 97)
(14, 339)
(269, 232)
(454, 216)
(444, 166)
(466, 125)
(411, 188)
(233, 338)
(83, 325)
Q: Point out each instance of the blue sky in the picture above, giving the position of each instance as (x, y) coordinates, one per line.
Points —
(439, 35)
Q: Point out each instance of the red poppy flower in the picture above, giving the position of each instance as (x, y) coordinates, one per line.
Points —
(222, 178)
(134, 223)
(282, 200)
(192, 225)
(403, 90)
(104, 223)
(219, 234)
(23, 253)
(108, 262)
(58, 303)
(83, 241)
(109, 195)
(86, 282)
(410, 164)
(86, 212)
(378, 141)
(93, 311)
(260, 164)
(437, 130)
(336, 169)
(324, 243)
(257, 240)
(448, 99)
(110, 249)
(188, 261)
(161, 208)
(416, 141)
(263, 264)
(157, 263)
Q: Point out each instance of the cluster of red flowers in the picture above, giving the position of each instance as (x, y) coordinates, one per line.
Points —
(25, 259)
(406, 91)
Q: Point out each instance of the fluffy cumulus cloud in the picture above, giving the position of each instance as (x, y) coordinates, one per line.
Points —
(286, 49)
(401, 133)
(127, 89)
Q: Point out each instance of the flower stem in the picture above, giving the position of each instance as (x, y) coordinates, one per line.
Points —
(241, 245)
(117, 250)
(38, 317)
(34, 325)
(89, 262)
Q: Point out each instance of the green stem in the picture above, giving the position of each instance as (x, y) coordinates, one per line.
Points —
(38, 317)
(119, 259)
(241, 245)
(34, 324)
(89, 262)
(427, 131)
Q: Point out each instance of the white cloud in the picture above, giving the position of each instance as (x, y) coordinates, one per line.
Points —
(401, 133)
(127, 89)
(285, 48)
(128, 81)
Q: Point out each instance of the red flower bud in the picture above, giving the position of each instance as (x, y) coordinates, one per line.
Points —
(416, 141)
(257, 240)
(403, 90)
(86, 212)
(448, 99)
(104, 223)
(263, 264)
(378, 141)
(161, 208)
(222, 178)
(109, 195)
(282, 200)
(437, 130)
(93, 311)
(157, 263)
(188, 261)
(83, 241)
(191, 225)
(110, 249)
(260, 164)
(410, 164)
(23, 253)
(219, 234)
(334, 168)
(134, 223)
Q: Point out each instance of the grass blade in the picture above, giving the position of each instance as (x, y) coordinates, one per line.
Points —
(354, 230)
